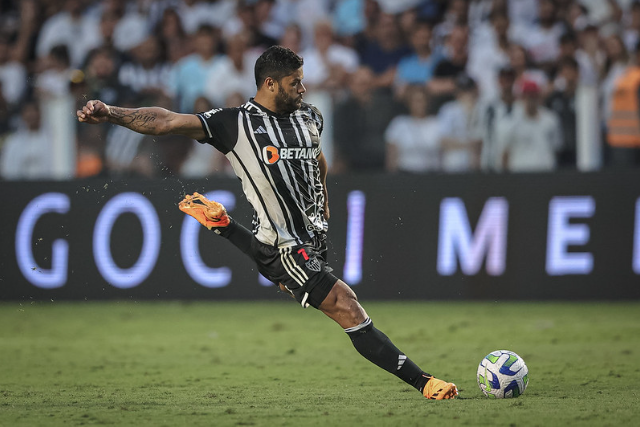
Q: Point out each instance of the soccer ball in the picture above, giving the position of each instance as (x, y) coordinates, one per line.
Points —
(501, 374)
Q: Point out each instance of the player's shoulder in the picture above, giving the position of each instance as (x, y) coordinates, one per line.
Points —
(220, 114)
(312, 111)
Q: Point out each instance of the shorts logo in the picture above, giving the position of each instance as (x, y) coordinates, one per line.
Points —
(271, 154)
(313, 264)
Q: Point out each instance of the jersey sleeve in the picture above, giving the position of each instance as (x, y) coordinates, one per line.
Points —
(317, 116)
(220, 126)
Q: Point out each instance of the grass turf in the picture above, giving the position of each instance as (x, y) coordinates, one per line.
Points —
(275, 364)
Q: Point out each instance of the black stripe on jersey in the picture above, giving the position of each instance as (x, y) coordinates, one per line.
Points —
(267, 173)
(294, 190)
(255, 188)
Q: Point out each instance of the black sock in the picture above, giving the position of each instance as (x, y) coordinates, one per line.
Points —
(379, 350)
(237, 234)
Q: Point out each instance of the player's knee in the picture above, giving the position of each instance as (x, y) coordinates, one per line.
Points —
(343, 303)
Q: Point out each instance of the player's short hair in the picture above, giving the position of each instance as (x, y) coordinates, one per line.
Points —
(276, 62)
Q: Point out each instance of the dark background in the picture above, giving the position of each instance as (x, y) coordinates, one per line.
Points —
(400, 238)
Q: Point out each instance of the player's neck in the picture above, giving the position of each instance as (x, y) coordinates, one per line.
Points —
(267, 102)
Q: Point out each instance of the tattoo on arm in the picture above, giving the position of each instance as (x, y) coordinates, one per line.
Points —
(143, 120)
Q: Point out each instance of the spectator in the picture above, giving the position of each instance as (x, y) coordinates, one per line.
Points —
(130, 27)
(459, 128)
(232, 74)
(590, 56)
(523, 13)
(101, 77)
(563, 102)
(194, 14)
(407, 21)
(247, 21)
(328, 64)
(533, 136)
(147, 74)
(26, 153)
(383, 53)
(496, 113)
(454, 63)
(292, 38)
(266, 21)
(190, 74)
(359, 125)
(413, 140)
(456, 15)
(480, 12)
(172, 36)
(303, 13)
(616, 64)
(486, 60)
(542, 39)
(418, 67)
(108, 22)
(623, 132)
(632, 30)
(53, 79)
(576, 17)
(79, 33)
(521, 64)
(355, 17)
(13, 75)
(568, 45)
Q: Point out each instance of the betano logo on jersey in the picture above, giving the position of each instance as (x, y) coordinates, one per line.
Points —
(271, 154)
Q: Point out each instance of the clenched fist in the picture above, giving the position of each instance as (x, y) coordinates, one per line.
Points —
(93, 112)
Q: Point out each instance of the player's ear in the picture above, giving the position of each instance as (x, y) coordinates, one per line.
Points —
(270, 84)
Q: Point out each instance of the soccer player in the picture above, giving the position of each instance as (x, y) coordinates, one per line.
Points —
(273, 144)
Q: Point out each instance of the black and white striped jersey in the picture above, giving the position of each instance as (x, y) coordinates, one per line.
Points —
(276, 158)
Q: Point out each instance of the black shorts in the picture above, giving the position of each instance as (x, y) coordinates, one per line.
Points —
(302, 269)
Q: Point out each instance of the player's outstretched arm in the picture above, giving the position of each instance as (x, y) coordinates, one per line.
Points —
(146, 120)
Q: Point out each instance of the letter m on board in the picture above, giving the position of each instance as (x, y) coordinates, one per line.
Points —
(458, 244)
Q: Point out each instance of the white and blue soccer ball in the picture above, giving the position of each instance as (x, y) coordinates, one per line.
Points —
(502, 374)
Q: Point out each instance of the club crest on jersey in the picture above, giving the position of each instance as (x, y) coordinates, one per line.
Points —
(271, 154)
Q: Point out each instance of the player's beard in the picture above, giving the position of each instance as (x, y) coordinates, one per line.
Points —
(285, 103)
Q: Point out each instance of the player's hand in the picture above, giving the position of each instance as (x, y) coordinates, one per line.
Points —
(93, 112)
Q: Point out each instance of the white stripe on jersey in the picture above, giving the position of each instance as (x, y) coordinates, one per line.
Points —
(206, 125)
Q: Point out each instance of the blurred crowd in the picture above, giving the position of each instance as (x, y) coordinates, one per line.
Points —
(406, 86)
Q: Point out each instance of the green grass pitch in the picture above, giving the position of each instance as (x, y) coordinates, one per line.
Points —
(275, 364)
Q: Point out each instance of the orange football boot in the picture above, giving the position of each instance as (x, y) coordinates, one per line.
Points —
(437, 389)
(208, 213)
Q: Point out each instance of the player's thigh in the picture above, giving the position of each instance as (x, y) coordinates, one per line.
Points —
(300, 269)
